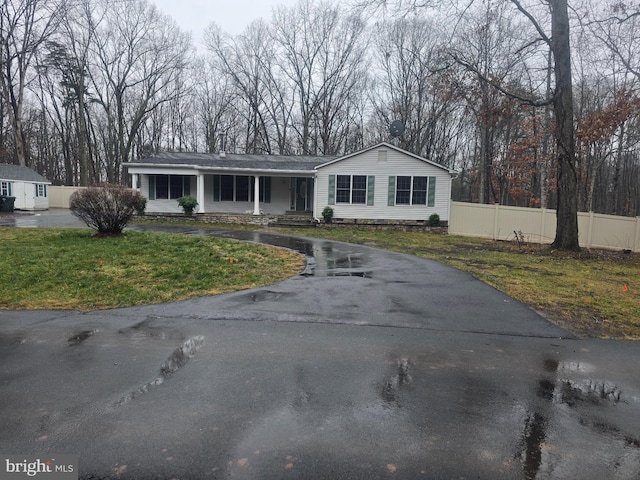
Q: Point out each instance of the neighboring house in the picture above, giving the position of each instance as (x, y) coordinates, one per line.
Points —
(29, 188)
(382, 182)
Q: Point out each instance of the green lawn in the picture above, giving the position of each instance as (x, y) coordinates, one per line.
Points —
(74, 269)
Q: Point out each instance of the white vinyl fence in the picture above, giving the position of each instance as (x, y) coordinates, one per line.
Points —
(59, 196)
(538, 225)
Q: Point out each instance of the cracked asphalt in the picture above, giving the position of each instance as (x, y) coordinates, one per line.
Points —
(369, 364)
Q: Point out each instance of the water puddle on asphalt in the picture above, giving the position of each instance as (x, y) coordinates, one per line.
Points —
(345, 265)
(579, 396)
(533, 439)
(145, 329)
(588, 391)
(349, 274)
(19, 222)
(546, 389)
(572, 392)
(178, 359)
(263, 295)
(393, 386)
(78, 338)
(300, 245)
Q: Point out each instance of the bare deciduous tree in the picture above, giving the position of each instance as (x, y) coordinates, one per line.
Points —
(139, 54)
(322, 53)
(246, 61)
(415, 87)
(25, 25)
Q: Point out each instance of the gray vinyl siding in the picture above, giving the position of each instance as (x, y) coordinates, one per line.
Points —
(381, 199)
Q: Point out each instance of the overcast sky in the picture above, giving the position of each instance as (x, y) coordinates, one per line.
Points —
(232, 15)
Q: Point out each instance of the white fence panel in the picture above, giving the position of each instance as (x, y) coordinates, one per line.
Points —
(539, 226)
(59, 196)
(608, 231)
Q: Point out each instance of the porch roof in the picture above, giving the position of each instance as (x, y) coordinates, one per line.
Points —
(235, 162)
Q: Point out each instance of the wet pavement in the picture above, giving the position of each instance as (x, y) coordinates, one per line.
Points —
(369, 364)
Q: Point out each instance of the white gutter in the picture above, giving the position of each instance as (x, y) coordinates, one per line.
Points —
(222, 169)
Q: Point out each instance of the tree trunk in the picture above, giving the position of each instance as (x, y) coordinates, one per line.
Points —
(567, 212)
(19, 137)
(615, 208)
(544, 167)
(82, 135)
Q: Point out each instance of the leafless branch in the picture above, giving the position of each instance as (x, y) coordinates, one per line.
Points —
(527, 100)
(534, 22)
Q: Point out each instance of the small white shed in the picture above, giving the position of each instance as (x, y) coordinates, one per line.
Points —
(383, 182)
(29, 188)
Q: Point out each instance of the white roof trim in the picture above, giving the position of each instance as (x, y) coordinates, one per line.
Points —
(138, 167)
(35, 182)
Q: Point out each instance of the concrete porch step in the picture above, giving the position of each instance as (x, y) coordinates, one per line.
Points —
(295, 219)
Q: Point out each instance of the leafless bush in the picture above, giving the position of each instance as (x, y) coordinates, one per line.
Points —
(106, 208)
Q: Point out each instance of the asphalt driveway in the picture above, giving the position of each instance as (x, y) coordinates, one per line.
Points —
(369, 364)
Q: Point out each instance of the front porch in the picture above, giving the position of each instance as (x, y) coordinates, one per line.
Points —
(257, 195)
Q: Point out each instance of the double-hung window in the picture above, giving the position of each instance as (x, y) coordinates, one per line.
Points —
(351, 189)
(403, 190)
(41, 190)
(412, 190)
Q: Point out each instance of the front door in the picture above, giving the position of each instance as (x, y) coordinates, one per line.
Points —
(303, 194)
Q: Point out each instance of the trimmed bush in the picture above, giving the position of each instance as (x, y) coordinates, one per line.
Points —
(107, 208)
(327, 214)
(434, 220)
(142, 206)
(188, 204)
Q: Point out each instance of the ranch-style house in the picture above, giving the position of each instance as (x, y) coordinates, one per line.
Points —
(379, 183)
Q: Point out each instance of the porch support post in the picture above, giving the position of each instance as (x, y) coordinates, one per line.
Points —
(256, 195)
(200, 192)
(134, 181)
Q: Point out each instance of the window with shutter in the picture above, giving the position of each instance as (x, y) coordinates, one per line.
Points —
(391, 201)
(332, 190)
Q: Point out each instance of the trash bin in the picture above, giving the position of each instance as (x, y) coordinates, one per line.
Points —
(6, 203)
